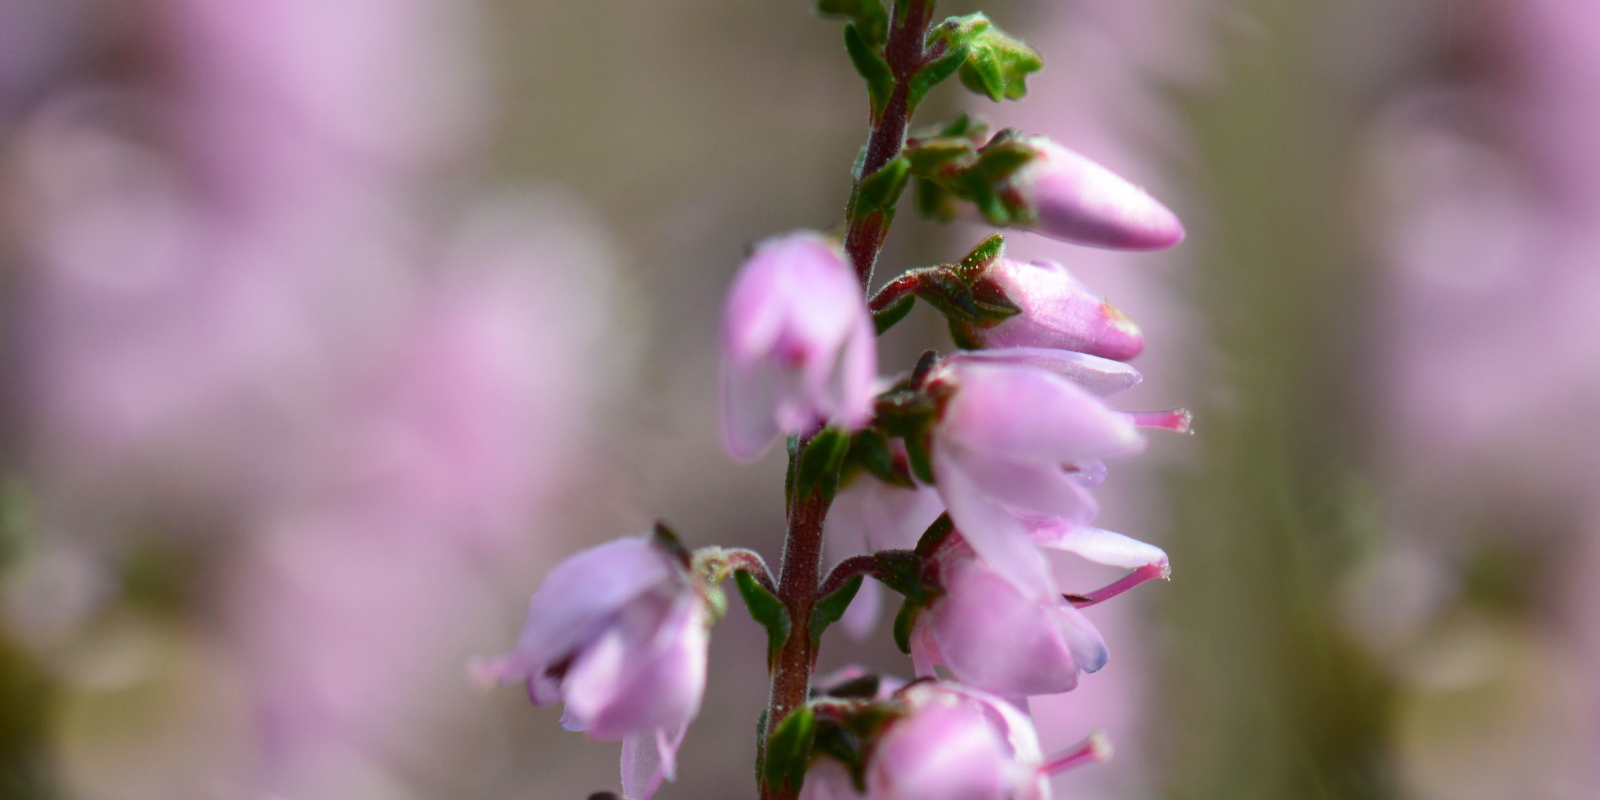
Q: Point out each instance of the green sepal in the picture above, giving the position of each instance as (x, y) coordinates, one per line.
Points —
(862, 688)
(983, 255)
(767, 610)
(886, 319)
(902, 571)
(904, 412)
(869, 449)
(966, 126)
(903, 622)
(932, 74)
(881, 189)
(942, 288)
(820, 463)
(663, 537)
(934, 202)
(936, 533)
(792, 444)
(868, 15)
(919, 453)
(830, 608)
(1004, 155)
(930, 156)
(788, 752)
(868, 61)
(961, 336)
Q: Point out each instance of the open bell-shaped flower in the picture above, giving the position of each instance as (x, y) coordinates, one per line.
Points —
(956, 743)
(1014, 445)
(798, 344)
(1056, 311)
(1068, 197)
(617, 632)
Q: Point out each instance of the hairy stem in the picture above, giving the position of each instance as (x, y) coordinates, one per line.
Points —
(800, 572)
(905, 51)
(798, 577)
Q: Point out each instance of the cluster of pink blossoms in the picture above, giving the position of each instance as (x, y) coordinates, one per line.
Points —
(946, 484)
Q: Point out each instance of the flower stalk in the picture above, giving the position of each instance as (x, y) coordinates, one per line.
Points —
(906, 53)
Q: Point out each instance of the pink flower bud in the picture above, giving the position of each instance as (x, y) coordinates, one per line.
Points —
(994, 637)
(1058, 312)
(957, 743)
(1073, 199)
(618, 632)
(1005, 453)
(798, 344)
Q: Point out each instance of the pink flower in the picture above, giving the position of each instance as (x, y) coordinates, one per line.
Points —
(870, 515)
(1058, 312)
(797, 344)
(618, 632)
(1073, 199)
(994, 637)
(956, 743)
(1101, 377)
(1015, 445)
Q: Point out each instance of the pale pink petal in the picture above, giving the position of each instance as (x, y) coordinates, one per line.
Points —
(1102, 377)
(1030, 415)
(1097, 545)
(997, 639)
(1077, 200)
(996, 534)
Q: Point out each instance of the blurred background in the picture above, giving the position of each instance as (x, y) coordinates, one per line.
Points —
(328, 327)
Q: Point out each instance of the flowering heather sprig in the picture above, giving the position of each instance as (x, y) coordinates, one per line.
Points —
(944, 484)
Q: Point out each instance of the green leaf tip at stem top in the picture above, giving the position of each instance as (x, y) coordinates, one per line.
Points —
(767, 610)
(867, 15)
(787, 753)
(996, 64)
(831, 608)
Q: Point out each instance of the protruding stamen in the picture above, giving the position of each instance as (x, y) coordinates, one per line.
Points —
(1159, 570)
(1177, 420)
(1096, 749)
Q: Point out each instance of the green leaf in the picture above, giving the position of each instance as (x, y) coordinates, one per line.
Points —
(820, 463)
(886, 319)
(829, 609)
(868, 15)
(767, 610)
(996, 63)
(932, 74)
(868, 61)
(881, 189)
(966, 126)
(788, 751)
(903, 622)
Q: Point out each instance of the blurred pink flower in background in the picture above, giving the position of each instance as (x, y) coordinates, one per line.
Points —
(238, 312)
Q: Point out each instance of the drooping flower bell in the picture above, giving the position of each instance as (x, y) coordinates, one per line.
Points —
(619, 633)
(1015, 445)
(994, 637)
(1066, 196)
(798, 344)
(1057, 311)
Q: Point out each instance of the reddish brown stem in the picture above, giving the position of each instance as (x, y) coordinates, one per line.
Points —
(800, 572)
(906, 53)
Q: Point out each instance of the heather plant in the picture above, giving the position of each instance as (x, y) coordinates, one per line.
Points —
(950, 478)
